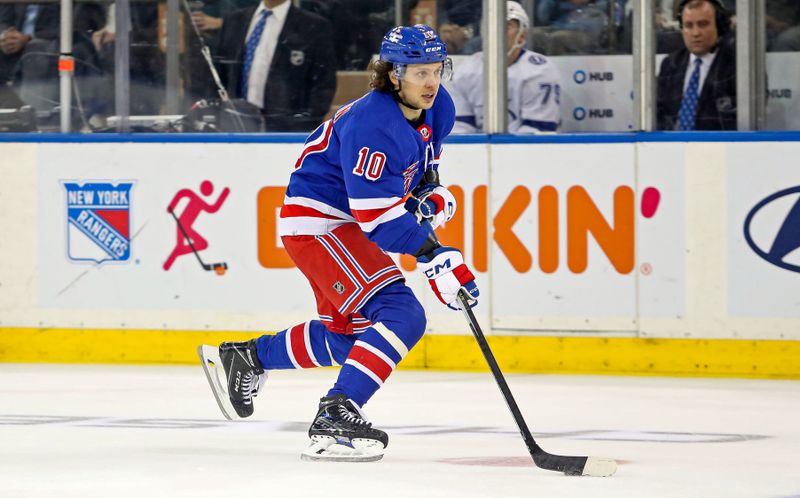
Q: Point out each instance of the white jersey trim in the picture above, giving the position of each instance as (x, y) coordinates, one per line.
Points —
(389, 215)
(307, 225)
(319, 206)
(373, 203)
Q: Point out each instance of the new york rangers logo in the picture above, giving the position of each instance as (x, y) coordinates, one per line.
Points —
(98, 221)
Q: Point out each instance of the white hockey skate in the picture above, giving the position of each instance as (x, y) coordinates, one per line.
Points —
(235, 375)
(341, 433)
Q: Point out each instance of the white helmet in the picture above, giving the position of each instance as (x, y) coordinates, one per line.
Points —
(514, 11)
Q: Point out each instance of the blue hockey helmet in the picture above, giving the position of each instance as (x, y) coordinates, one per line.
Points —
(418, 44)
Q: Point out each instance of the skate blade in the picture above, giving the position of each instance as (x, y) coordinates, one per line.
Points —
(325, 450)
(215, 374)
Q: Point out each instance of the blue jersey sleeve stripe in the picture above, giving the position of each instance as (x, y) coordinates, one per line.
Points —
(470, 120)
(540, 125)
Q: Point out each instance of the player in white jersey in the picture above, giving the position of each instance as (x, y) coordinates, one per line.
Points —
(534, 85)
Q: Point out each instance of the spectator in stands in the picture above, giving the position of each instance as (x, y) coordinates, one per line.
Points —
(697, 84)
(207, 16)
(359, 26)
(13, 37)
(534, 86)
(147, 62)
(459, 25)
(26, 27)
(29, 44)
(668, 34)
(785, 18)
(280, 59)
(783, 23)
(573, 26)
(788, 40)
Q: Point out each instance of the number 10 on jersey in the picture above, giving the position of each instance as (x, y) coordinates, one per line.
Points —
(370, 165)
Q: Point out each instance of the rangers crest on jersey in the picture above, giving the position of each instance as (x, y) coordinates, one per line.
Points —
(98, 221)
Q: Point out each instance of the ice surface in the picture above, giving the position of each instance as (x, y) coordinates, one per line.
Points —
(87, 431)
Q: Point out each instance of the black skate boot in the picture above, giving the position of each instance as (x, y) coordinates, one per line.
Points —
(340, 432)
(242, 369)
(243, 375)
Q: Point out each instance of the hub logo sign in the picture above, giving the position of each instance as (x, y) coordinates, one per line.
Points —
(772, 229)
(580, 76)
(780, 93)
(98, 221)
(580, 113)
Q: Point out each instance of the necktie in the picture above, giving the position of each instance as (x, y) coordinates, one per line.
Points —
(250, 49)
(688, 111)
(29, 24)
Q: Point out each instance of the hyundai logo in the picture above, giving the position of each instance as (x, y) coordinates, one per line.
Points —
(579, 76)
(579, 114)
(786, 238)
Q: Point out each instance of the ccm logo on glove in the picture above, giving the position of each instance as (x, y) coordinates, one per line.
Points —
(439, 269)
(447, 274)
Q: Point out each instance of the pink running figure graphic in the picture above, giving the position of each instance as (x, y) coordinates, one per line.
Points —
(188, 240)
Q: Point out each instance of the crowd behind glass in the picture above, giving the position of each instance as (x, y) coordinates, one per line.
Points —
(314, 56)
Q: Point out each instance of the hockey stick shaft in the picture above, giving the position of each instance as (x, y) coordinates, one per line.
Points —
(570, 465)
(189, 241)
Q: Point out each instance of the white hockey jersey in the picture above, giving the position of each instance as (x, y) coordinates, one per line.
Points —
(534, 94)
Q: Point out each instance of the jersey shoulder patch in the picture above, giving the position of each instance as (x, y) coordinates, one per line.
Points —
(535, 59)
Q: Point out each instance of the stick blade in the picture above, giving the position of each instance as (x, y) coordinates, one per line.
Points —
(575, 465)
(599, 467)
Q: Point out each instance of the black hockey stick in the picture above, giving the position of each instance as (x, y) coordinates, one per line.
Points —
(570, 465)
(218, 268)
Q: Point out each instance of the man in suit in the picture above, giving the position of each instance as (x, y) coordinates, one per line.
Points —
(29, 49)
(21, 25)
(280, 59)
(697, 84)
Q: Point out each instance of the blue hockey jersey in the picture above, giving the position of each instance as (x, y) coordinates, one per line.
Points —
(358, 167)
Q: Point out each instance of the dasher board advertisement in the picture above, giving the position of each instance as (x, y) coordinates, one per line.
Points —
(763, 230)
(180, 228)
(162, 226)
(584, 240)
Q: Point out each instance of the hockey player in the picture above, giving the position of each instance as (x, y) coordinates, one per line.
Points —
(534, 85)
(345, 205)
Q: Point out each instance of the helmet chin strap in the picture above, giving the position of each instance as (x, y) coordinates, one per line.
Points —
(399, 99)
(519, 42)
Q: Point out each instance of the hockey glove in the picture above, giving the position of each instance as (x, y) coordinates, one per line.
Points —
(433, 203)
(447, 274)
